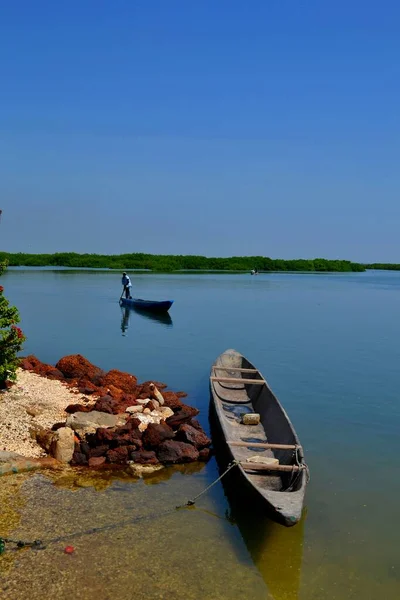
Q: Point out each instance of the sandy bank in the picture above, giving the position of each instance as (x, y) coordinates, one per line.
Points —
(34, 400)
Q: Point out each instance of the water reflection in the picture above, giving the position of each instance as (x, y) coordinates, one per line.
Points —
(162, 318)
(275, 550)
(75, 478)
(125, 320)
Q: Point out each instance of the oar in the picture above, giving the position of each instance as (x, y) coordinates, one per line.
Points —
(120, 298)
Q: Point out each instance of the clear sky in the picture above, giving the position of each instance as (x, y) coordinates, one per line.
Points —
(215, 127)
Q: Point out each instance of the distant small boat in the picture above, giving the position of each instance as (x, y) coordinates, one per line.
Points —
(269, 455)
(147, 305)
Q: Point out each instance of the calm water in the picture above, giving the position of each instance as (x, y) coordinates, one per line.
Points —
(329, 347)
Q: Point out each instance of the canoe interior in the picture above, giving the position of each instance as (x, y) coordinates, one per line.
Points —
(284, 490)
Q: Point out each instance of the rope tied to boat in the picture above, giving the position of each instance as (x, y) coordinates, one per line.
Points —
(232, 464)
(41, 544)
(295, 475)
(37, 544)
(301, 464)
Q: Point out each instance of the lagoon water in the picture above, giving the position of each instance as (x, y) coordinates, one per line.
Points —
(328, 345)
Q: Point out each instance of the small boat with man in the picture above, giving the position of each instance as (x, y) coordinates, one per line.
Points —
(154, 306)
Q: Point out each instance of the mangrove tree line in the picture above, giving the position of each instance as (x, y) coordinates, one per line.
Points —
(168, 263)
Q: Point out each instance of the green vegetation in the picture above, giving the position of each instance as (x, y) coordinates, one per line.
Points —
(168, 263)
(11, 337)
(383, 266)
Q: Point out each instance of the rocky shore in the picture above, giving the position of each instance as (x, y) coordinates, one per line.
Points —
(112, 420)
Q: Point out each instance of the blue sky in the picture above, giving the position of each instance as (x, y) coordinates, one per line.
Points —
(213, 127)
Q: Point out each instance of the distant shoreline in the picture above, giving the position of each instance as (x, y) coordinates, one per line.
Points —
(174, 263)
(180, 263)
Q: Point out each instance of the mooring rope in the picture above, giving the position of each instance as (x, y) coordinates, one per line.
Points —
(295, 475)
(232, 464)
(41, 545)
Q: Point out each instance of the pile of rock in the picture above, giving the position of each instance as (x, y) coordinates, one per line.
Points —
(121, 422)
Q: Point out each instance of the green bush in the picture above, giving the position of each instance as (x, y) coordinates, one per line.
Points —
(11, 338)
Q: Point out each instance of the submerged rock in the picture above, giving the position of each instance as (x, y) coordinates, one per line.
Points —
(19, 464)
(139, 470)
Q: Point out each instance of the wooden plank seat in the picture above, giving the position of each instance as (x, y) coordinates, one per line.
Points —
(238, 380)
(249, 466)
(265, 445)
(238, 369)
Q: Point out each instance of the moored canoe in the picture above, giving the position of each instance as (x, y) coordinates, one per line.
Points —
(269, 455)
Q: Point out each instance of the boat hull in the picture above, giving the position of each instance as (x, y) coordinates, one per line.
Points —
(147, 305)
(281, 492)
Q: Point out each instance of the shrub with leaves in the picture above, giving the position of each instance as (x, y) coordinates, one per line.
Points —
(11, 338)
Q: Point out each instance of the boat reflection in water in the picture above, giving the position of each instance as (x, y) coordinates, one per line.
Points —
(163, 318)
(276, 550)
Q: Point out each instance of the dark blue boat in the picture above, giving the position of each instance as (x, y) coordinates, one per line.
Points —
(147, 305)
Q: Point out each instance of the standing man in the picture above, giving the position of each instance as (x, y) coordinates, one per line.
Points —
(126, 282)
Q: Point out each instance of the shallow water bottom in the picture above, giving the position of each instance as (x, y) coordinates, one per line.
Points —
(166, 553)
(130, 541)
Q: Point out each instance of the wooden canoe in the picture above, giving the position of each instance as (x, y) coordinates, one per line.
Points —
(155, 306)
(237, 388)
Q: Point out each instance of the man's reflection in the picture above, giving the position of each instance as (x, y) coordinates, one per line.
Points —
(125, 320)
